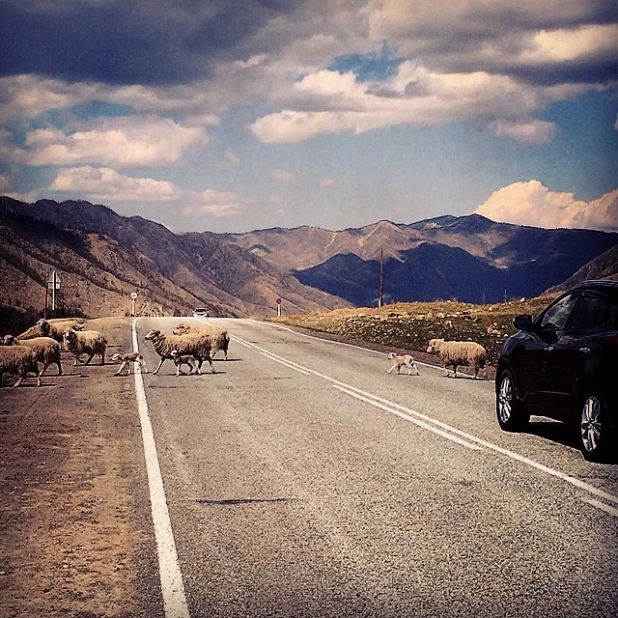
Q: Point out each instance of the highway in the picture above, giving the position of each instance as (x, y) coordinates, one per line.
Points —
(302, 480)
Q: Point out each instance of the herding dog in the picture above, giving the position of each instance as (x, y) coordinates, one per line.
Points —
(402, 360)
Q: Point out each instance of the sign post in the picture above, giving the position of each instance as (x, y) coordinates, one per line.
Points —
(278, 301)
(53, 284)
(133, 297)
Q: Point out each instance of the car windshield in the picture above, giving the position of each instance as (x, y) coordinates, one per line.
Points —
(556, 316)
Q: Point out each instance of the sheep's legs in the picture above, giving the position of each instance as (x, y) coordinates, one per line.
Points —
(199, 365)
(161, 361)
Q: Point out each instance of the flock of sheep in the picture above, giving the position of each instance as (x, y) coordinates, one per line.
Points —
(188, 345)
(42, 344)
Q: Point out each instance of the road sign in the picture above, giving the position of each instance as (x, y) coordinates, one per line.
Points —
(133, 295)
(278, 301)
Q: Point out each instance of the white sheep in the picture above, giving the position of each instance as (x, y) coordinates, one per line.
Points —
(195, 345)
(19, 360)
(46, 350)
(404, 360)
(185, 359)
(85, 342)
(459, 353)
(51, 328)
(219, 337)
(126, 359)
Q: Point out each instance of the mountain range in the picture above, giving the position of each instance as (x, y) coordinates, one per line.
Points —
(469, 258)
(101, 257)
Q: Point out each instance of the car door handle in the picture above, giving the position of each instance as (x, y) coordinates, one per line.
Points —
(584, 350)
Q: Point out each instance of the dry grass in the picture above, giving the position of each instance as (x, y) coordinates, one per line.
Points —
(410, 326)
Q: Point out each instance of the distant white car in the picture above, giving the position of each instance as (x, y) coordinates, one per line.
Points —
(200, 312)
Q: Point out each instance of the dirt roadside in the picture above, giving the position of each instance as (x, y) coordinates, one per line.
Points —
(75, 520)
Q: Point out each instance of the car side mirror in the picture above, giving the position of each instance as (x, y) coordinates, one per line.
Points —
(523, 322)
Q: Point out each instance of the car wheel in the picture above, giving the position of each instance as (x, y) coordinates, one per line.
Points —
(509, 411)
(594, 430)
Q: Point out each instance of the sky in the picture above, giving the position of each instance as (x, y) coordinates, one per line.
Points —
(238, 115)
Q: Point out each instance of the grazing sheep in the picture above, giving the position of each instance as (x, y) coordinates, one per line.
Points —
(19, 360)
(459, 353)
(195, 345)
(185, 359)
(85, 342)
(401, 361)
(46, 350)
(219, 337)
(51, 328)
(125, 360)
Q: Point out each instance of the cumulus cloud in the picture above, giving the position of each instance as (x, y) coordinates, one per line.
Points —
(330, 102)
(107, 184)
(531, 203)
(110, 186)
(118, 142)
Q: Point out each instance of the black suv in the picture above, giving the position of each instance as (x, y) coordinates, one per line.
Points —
(564, 365)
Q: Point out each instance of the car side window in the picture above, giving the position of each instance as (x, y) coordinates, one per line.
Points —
(556, 316)
(594, 314)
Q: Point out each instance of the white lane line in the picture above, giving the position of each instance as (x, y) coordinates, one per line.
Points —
(410, 419)
(286, 364)
(599, 493)
(349, 345)
(601, 505)
(172, 587)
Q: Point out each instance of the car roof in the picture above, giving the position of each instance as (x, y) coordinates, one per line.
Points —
(597, 283)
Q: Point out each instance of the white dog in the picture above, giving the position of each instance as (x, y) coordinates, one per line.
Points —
(402, 360)
(127, 359)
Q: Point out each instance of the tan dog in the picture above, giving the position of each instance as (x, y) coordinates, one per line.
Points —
(400, 361)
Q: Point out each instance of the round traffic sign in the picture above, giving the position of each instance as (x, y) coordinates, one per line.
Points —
(278, 301)
(133, 295)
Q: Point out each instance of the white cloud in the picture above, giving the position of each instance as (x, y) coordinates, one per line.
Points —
(118, 142)
(415, 96)
(282, 175)
(230, 156)
(531, 132)
(6, 182)
(212, 202)
(531, 203)
(107, 184)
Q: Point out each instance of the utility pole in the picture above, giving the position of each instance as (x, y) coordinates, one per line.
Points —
(381, 300)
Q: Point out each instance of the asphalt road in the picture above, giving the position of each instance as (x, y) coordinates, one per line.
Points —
(302, 480)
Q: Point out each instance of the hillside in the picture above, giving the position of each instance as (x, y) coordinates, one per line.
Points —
(101, 257)
(469, 258)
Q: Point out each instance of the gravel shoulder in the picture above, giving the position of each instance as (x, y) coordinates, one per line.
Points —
(75, 513)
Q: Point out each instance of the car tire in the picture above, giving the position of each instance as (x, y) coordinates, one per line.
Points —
(511, 416)
(593, 428)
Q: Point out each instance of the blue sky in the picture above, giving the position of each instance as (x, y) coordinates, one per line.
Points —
(234, 116)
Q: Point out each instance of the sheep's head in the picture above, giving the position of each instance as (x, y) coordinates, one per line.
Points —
(115, 357)
(174, 353)
(45, 327)
(70, 335)
(434, 345)
(153, 334)
(391, 355)
(9, 340)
